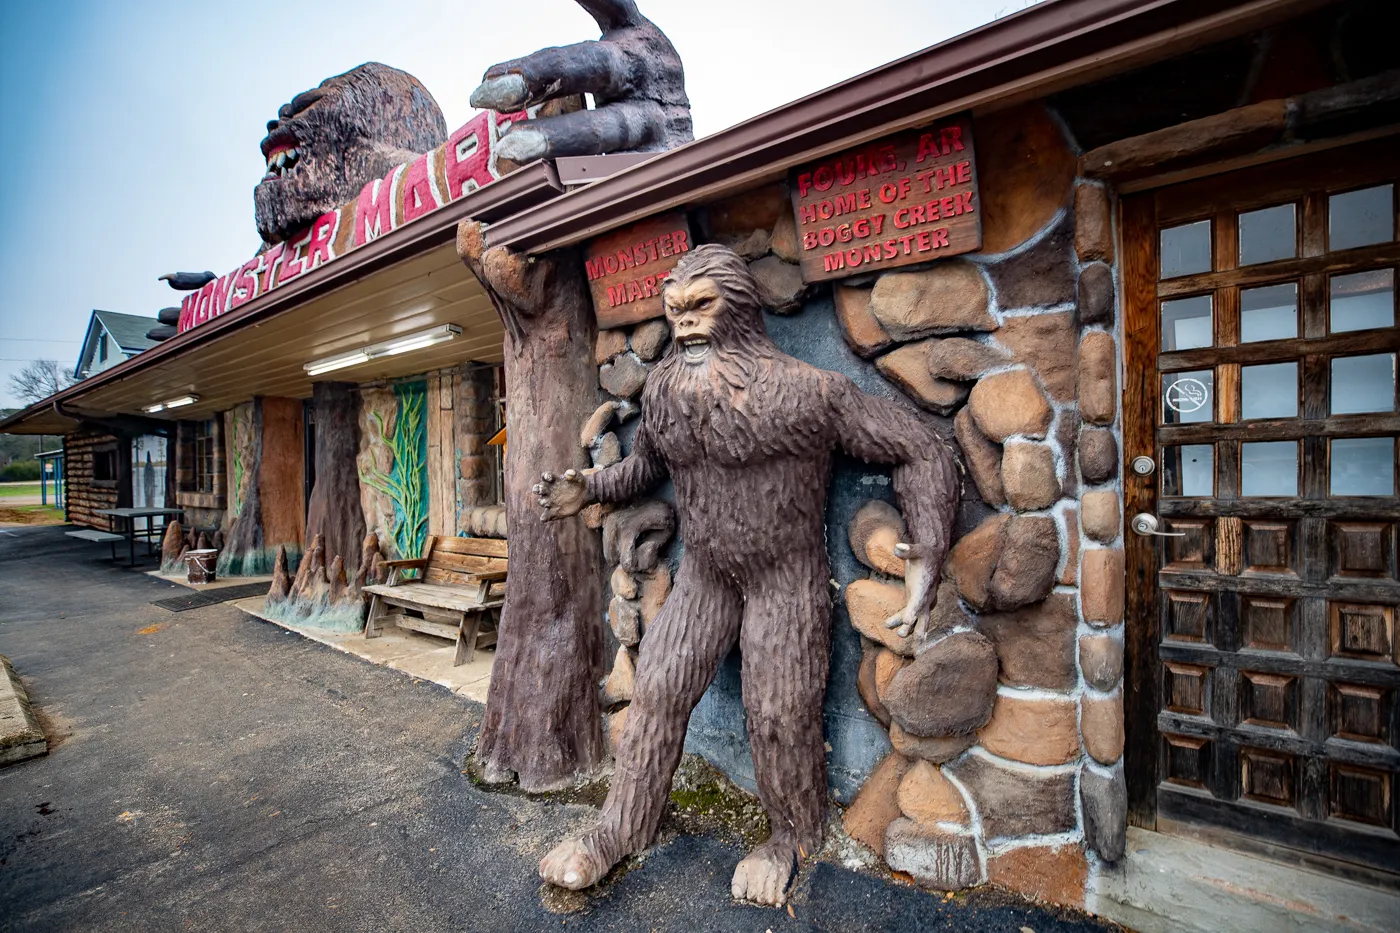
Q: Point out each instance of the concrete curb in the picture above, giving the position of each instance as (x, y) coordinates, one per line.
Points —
(20, 735)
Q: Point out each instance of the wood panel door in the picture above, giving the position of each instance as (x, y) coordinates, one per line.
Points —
(1261, 340)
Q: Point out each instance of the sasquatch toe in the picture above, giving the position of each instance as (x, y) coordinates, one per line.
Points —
(575, 863)
(763, 876)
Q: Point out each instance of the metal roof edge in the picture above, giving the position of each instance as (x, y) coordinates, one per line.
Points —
(1002, 58)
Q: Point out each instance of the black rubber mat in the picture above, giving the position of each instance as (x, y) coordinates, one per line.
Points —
(212, 597)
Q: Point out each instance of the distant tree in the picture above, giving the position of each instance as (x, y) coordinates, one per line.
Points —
(40, 379)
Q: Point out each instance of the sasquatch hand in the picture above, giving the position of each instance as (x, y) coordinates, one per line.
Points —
(561, 496)
(633, 73)
(918, 582)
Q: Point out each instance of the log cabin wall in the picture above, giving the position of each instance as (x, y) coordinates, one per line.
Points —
(86, 492)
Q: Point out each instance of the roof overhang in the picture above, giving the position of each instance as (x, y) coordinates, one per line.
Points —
(1046, 48)
(405, 281)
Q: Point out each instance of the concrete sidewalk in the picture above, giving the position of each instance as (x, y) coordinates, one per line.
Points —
(209, 771)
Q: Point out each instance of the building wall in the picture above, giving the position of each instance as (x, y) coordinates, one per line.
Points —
(1011, 355)
(85, 494)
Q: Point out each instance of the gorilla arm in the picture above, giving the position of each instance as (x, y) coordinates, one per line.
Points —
(925, 483)
(637, 473)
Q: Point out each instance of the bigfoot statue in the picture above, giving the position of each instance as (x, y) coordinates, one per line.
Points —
(746, 433)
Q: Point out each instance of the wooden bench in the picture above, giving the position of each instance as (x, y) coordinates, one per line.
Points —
(457, 594)
(92, 534)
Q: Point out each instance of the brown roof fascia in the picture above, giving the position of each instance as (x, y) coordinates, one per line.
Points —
(520, 190)
(1031, 49)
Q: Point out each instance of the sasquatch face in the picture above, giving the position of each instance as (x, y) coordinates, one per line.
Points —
(330, 141)
(693, 309)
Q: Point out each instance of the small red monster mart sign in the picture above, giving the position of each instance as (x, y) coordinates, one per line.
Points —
(625, 268)
(894, 202)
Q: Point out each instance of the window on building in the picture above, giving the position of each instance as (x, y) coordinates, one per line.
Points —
(104, 464)
(101, 348)
(205, 443)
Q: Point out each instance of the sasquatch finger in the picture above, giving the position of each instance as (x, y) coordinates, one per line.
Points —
(619, 127)
(582, 68)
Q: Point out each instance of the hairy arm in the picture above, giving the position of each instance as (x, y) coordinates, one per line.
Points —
(637, 473)
(926, 484)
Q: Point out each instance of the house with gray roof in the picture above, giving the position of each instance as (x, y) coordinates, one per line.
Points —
(111, 338)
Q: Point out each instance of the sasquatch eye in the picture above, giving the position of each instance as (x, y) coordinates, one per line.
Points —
(705, 302)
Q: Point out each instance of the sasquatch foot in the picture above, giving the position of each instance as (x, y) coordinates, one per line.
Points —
(576, 863)
(763, 876)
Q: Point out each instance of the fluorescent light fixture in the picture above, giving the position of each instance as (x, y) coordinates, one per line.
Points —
(172, 403)
(404, 344)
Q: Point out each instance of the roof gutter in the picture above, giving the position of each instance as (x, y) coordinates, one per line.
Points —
(1045, 48)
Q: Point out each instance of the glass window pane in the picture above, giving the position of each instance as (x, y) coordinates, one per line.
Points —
(1186, 249)
(1269, 469)
(1187, 398)
(1363, 383)
(1363, 301)
(1268, 234)
(1357, 218)
(1269, 391)
(1186, 323)
(1269, 313)
(1188, 470)
(1363, 466)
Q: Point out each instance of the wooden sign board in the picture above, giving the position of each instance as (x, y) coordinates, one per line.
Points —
(894, 202)
(625, 268)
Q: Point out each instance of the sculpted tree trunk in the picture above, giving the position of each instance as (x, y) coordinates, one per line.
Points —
(542, 716)
(334, 510)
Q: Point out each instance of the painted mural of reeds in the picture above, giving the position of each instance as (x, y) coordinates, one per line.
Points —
(405, 484)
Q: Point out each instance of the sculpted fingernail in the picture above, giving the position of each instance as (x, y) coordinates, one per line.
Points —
(571, 877)
(523, 144)
(503, 94)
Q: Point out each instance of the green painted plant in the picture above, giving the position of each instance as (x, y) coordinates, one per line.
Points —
(406, 482)
(235, 493)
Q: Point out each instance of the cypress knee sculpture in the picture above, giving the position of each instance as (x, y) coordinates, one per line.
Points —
(747, 434)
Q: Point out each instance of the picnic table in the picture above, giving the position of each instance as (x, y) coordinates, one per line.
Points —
(128, 517)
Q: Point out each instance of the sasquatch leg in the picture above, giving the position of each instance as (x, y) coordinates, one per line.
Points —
(786, 643)
(682, 649)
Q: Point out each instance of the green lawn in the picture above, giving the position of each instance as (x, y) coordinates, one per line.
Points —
(21, 489)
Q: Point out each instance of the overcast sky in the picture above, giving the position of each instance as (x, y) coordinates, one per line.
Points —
(129, 131)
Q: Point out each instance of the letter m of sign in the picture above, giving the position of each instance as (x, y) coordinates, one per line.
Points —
(374, 211)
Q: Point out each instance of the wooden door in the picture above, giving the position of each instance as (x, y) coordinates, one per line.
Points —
(1261, 341)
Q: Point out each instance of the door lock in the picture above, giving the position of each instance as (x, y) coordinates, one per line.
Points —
(1145, 525)
(1143, 466)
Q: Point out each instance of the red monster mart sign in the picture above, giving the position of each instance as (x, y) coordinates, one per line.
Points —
(466, 162)
(894, 202)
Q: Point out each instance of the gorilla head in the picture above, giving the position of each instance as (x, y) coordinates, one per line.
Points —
(330, 141)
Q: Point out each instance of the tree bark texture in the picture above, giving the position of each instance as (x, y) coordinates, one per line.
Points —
(542, 716)
(335, 511)
(244, 549)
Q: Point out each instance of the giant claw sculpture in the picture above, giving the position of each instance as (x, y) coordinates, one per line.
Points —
(747, 434)
(633, 73)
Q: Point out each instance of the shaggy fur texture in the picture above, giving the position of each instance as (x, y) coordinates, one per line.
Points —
(348, 131)
(747, 437)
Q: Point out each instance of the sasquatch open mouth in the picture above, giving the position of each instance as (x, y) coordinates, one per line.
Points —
(695, 348)
(282, 152)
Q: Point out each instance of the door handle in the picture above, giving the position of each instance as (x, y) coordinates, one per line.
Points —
(1145, 524)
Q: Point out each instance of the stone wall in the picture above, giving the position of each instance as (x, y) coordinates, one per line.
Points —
(987, 748)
